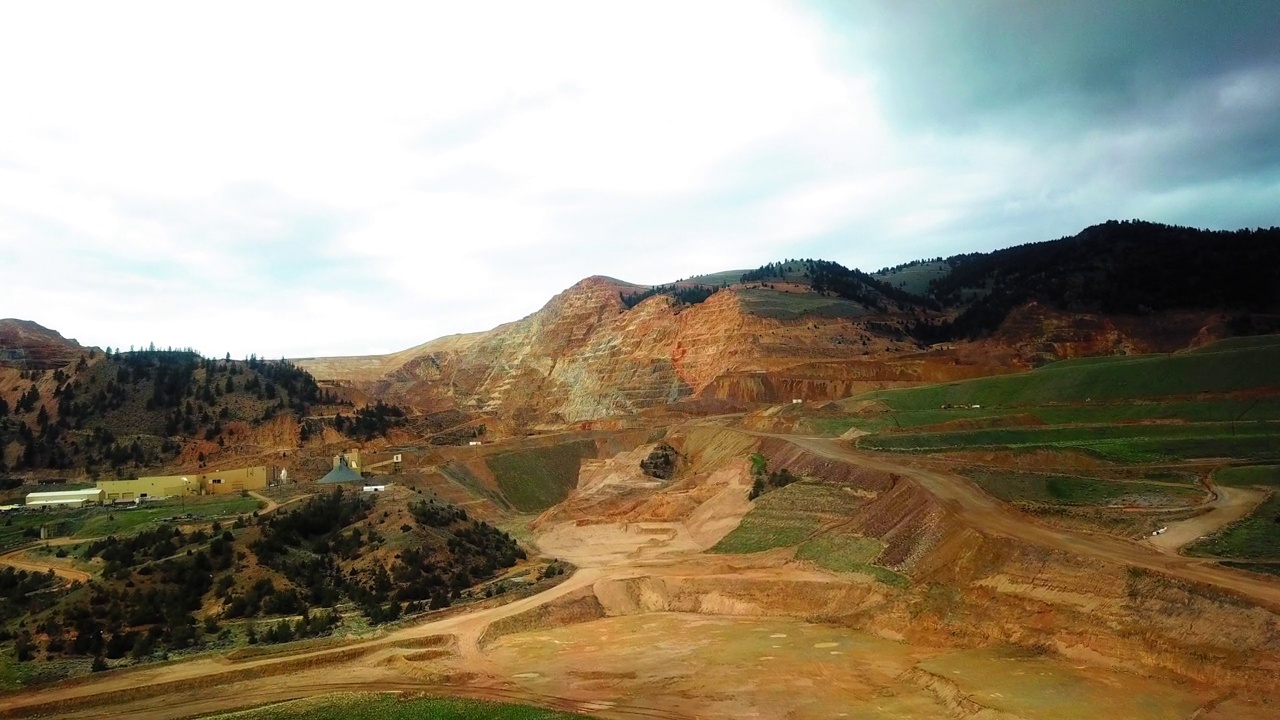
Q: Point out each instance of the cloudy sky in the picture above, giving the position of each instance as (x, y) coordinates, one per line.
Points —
(314, 178)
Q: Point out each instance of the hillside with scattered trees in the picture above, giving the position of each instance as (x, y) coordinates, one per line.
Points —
(117, 413)
(683, 294)
(113, 413)
(290, 575)
(1122, 268)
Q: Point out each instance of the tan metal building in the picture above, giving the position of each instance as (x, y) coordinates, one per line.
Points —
(234, 481)
(150, 488)
(221, 482)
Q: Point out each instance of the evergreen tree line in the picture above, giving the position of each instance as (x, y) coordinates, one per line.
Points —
(685, 295)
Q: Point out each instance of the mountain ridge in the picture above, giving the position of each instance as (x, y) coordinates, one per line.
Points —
(816, 330)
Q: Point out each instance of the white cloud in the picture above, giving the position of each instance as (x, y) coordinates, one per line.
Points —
(303, 178)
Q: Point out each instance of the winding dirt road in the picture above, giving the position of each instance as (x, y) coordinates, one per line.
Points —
(15, 559)
(989, 515)
(1228, 505)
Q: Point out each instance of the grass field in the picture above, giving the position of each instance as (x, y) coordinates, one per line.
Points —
(915, 279)
(99, 522)
(111, 521)
(1127, 409)
(459, 473)
(1256, 537)
(843, 552)
(15, 524)
(785, 517)
(390, 707)
(1265, 568)
(762, 530)
(1237, 364)
(538, 478)
(1125, 443)
(1073, 490)
(1248, 475)
(794, 515)
(783, 305)
(1200, 411)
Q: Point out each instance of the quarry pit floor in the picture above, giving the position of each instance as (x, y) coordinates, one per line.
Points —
(720, 662)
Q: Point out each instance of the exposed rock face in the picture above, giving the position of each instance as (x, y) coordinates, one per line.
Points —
(586, 356)
(1036, 334)
(29, 346)
(661, 462)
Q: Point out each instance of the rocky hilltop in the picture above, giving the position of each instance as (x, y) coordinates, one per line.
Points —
(815, 330)
(585, 356)
(30, 346)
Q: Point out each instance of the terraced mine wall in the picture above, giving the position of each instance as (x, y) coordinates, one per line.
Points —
(968, 588)
(837, 380)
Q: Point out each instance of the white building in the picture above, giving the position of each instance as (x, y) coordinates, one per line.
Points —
(375, 488)
(71, 498)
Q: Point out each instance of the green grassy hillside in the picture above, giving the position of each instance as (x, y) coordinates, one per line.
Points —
(914, 277)
(1222, 400)
(122, 412)
(1238, 364)
(537, 478)
(1249, 475)
(1126, 443)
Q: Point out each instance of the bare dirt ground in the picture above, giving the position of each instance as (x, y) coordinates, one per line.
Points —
(650, 627)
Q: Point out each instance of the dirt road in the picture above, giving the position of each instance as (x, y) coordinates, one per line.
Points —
(16, 559)
(271, 504)
(1228, 506)
(989, 515)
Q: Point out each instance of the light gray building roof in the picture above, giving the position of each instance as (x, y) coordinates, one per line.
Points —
(63, 496)
(342, 474)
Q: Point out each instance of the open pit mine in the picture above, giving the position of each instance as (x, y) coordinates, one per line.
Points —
(947, 490)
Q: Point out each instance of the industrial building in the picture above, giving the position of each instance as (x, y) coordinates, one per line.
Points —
(233, 481)
(66, 498)
(150, 488)
(221, 482)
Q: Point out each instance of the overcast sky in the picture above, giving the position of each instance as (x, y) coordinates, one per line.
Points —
(314, 178)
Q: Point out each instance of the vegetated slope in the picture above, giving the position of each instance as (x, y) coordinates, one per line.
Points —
(1222, 400)
(1117, 268)
(530, 474)
(167, 589)
(915, 276)
(120, 412)
(537, 478)
(1225, 367)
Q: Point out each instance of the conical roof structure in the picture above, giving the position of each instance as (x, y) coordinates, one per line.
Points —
(342, 474)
